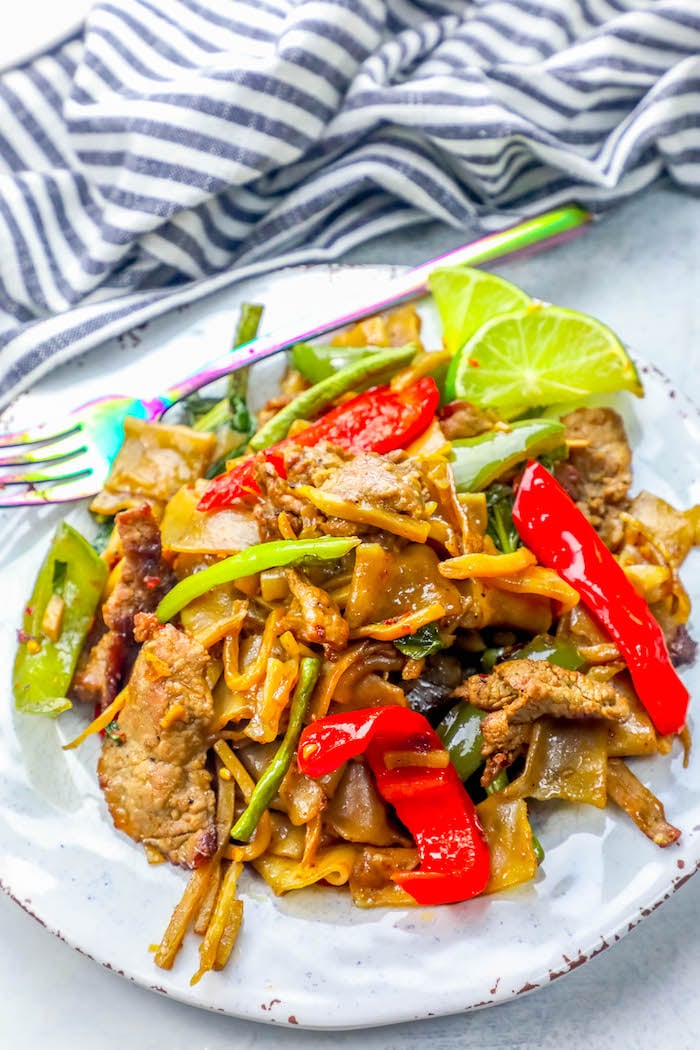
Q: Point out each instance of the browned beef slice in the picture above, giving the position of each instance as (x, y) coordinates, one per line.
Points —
(99, 674)
(156, 784)
(598, 474)
(380, 481)
(145, 576)
(314, 616)
(461, 419)
(519, 691)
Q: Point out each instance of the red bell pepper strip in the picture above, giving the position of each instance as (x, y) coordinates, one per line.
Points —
(379, 420)
(562, 538)
(240, 483)
(432, 802)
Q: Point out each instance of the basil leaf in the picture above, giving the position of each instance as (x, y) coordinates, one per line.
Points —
(424, 642)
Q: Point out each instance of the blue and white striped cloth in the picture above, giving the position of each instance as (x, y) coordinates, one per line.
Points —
(183, 144)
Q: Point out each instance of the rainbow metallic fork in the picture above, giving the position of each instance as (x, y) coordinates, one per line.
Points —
(58, 464)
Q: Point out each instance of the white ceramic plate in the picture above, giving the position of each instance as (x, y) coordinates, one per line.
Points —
(37, 25)
(310, 958)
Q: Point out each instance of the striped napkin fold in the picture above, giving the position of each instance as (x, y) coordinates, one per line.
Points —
(182, 146)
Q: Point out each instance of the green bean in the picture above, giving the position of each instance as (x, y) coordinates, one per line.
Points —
(268, 785)
(313, 401)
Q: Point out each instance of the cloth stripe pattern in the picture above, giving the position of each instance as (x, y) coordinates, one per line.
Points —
(177, 148)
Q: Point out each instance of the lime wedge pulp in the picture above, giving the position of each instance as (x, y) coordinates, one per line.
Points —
(541, 355)
(466, 299)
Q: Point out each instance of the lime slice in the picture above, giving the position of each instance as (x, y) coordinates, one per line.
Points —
(466, 299)
(541, 355)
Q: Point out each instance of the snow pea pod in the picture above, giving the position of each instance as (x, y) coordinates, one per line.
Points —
(56, 622)
(478, 461)
(316, 399)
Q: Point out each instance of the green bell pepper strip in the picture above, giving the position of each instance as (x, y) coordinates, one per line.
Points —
(460, 732)
(253, 559)
(268, 785)
(316, 399)
(541, 647)
(498, 784)
(491, 656)
(43, 669)
(545, 647)
(478, 461)
(319, 362)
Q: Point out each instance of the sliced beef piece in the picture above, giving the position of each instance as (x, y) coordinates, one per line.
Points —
(363, 477)
(313, 466)
(156, 784)
(314, 616)
(380, 481)
(597, 474)
(461, 419)
(99, 674)
(682, 647)
(145, 578)
(518, 692)
(278, 497)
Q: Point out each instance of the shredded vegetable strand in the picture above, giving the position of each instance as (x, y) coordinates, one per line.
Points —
(239, 681)
(183, 915)
(102, 721)
(222, 912)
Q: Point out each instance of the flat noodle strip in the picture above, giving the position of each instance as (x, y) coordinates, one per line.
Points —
(364, 514)
(214, 615)
(312, 840)
(486, 566)
(334, 864)
(240, 681)
(329, 680)
(237, 770)
(401, 626)
(639, 803)
(538, 580)
(258, 844)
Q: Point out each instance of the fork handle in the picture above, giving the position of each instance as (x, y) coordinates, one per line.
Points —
(549, 227)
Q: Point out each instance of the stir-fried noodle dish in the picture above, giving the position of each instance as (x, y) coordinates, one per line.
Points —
(349, 641)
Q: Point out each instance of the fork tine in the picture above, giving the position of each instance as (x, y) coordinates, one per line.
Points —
(36, 435)
(42, 477)
(72, 488)
(54, 452)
